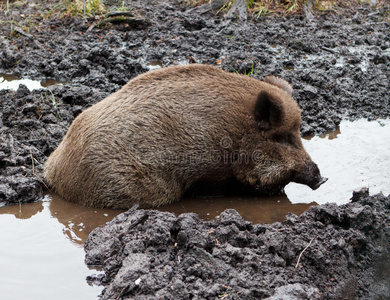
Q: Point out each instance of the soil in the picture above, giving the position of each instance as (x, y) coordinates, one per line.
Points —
(339, 65)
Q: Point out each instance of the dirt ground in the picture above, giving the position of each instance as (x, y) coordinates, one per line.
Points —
(339, 65)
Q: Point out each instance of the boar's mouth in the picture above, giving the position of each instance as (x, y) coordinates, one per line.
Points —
(310, 176)
(319, 182)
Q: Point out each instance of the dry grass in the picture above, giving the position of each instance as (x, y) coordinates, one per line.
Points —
(84, 7)
(195, 2)
(265, 7)
(293, 6)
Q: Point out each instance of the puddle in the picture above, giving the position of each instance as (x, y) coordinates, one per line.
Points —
(41, 253)
(359, 56)
(12, 82)
(355, 156)
(154, 65)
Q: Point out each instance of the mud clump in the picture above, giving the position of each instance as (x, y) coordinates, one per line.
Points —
(329, 252)
(32, 125)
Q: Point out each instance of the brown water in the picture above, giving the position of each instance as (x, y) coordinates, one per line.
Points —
(254, 209)
(41, 254)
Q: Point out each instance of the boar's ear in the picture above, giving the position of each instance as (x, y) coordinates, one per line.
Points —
(280, 83)
(268, 111)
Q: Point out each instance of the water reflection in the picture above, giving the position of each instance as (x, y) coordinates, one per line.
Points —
(41, 243)
(328, 135)
(77, 221)
(254, 209)
(25, 211)
(37, 259)
(153, 65)
(353, 157)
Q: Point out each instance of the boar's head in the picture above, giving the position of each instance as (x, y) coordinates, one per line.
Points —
(274, 150)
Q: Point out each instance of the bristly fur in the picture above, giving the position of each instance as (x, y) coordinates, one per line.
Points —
(279, 82)
(167, 129)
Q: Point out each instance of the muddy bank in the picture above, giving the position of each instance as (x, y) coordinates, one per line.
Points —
(329, 252)
(338, 63)
(32, 125)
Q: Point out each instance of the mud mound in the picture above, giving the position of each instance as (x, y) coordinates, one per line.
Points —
(329, 252)
(32, 125)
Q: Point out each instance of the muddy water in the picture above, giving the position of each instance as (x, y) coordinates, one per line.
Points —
(254, 209)
(41, 254)
(355, 156)
(12, 82)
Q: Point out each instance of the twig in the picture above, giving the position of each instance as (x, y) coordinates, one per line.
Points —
(128, 20)
(32, 161)
(119, 13)
(299, 257)
(20, 209)
(22, 32)
(330, 50)
(121, 293)
(91, 27)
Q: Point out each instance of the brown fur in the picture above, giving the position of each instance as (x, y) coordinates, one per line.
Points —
(168, 129)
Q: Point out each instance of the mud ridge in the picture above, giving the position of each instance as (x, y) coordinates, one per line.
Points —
(329, 252)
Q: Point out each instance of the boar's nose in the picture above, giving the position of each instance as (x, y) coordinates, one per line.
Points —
(310, 176)
(316, 184)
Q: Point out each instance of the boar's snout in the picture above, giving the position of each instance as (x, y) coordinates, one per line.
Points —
(310, 176)
(318, 182)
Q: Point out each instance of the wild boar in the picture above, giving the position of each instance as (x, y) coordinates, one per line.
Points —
(168, 129)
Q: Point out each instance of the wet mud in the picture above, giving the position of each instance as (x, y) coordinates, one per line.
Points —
(339, 66)
(322, 254)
